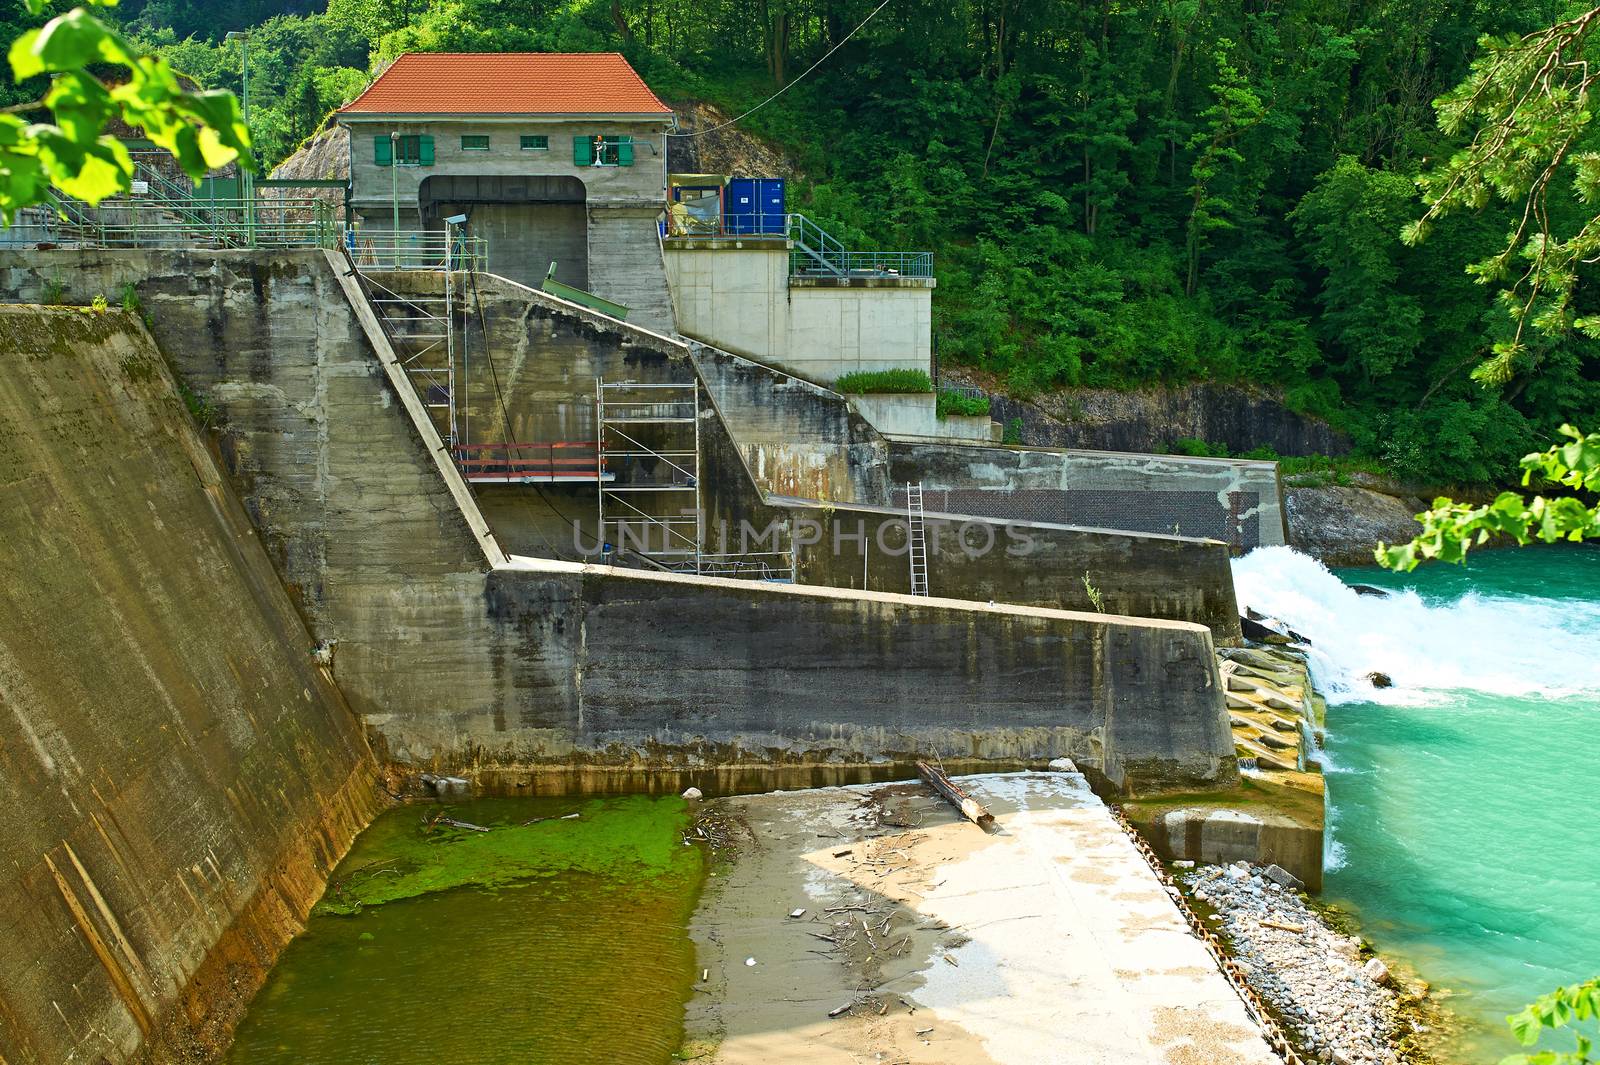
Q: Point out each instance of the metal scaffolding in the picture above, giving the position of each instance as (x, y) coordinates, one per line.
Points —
(649, 451)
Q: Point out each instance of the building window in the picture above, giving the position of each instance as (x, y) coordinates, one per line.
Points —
(599, 150)
(535, 142)
(406, 150)
(474, 142)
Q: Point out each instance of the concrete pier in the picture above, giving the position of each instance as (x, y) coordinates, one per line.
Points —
(1048, 941)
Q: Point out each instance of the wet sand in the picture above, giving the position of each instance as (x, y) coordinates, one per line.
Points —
(1046, 941)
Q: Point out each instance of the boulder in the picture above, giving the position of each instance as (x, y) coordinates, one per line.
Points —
(1376, 971)
(1380, 680)
(1341, 525)
(1370, 589)
(1282, 877)
(692, 794)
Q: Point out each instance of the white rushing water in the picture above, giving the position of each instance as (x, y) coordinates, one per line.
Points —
(1505, 645)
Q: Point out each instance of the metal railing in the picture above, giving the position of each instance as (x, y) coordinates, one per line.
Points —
(419, 250)
(563, 460)
(775, 567)
(167, 222)
(814, 252)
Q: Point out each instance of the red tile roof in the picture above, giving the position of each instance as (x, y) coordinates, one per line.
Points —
(508, 83)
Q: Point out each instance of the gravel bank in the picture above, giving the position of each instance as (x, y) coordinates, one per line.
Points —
(1339, 1006)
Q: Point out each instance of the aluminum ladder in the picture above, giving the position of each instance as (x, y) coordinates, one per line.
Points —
(916, 539)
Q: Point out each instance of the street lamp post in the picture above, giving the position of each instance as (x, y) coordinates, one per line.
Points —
(394, 193)
(247, 181)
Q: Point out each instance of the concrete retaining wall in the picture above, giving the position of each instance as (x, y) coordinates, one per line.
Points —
(179, 775)
(798, 439)
(738, 296)
(917, 414)
(729, 671)
(451, 666)
(1036, 564)
(1237, 501)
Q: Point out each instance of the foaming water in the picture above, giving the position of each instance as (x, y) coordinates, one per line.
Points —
(1427, 639)
(1461, 822)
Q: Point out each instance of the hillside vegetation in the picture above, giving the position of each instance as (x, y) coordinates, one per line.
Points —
(1117, 194)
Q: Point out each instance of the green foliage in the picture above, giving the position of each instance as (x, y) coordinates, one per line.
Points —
(1562, 1008)
(202, 130)
(53, 293)
(959, 404)
(1013, 432)
(1119, 196)
(1095, 595)
(864, 381)
(1188, 445)
(130, 298)
(1528, 107)
(1450, 530)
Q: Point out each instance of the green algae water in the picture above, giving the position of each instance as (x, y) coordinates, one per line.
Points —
(1463, 825)
(555, 942)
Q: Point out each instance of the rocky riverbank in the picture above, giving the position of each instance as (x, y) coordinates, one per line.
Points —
(1341, 1004)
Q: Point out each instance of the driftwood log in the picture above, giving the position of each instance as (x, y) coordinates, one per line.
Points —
(970, 808)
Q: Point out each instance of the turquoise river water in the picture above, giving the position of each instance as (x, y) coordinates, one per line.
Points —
(1463, 827)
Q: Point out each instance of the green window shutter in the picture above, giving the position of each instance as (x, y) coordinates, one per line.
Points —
(625, 151)
(582, 151)
(427, 150)
(382, 151)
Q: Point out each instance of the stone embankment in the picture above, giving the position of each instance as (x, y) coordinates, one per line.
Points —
(1340, 1007)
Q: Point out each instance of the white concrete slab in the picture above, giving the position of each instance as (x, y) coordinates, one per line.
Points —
(1076, 952)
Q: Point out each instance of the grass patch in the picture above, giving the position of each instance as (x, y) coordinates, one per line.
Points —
(863, 381)
(636, 837)
(960, 404)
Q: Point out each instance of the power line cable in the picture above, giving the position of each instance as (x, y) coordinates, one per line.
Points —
(792, 84)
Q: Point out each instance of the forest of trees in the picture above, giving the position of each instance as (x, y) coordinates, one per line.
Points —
(1117, 193)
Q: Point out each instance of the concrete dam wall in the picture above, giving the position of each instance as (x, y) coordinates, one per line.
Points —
(455, 661)
(179, 774)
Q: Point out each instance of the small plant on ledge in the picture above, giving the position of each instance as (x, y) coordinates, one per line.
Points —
(862, 382)
(961, 404)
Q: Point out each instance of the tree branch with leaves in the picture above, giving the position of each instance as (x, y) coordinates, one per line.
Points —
(71, 154)
(1529, 101)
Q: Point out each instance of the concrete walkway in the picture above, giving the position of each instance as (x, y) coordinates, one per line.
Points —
(1049, 941)
(1076, 954)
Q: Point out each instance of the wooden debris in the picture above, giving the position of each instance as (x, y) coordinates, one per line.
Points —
(793, 914)
(925, 1031)
(841, 854)
(970, 808)
(951, 958)
(1283, 926)
(468, 825)
(837, 1010)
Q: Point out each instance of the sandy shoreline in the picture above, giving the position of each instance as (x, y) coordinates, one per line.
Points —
(1047, 941)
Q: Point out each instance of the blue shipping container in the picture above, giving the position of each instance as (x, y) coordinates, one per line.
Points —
(755, 206)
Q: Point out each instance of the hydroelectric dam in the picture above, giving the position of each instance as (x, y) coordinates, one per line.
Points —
(259, 583)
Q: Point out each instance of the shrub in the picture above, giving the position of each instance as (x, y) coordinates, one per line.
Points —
(960, 404)
(864, 381)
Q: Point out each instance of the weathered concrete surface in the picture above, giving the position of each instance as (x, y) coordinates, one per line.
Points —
(452, 666)
(179, 775)
(346, 496)
(737, 295)
(1034, 564)
(916, 414)
(1048, 941)
(797, 439)
(1236, 501)
(622, 662)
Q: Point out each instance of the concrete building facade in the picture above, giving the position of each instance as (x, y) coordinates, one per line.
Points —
(740, 296)
(553, 158)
